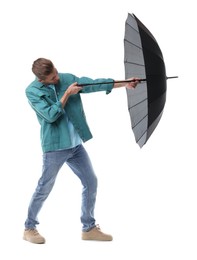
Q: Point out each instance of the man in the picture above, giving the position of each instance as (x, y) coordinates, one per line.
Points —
(55, 97)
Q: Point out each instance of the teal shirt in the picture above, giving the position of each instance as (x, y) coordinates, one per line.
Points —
(54, 131)
(74, 136)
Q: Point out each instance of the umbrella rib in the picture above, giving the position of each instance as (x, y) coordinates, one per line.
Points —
(129, 62)
(141, 136)
(144, 131)
(133, 44)
(132, 27)
(140, 121)
(138, 103)
(138, 124)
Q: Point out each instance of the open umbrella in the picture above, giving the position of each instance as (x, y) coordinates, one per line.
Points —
(143, 59)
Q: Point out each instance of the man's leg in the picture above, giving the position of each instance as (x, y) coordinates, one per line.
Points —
(51, 166)
(82, 167)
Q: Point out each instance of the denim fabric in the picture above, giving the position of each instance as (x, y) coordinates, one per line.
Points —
(78, 160)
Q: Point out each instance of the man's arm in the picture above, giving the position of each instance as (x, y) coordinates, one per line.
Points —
(74, 88)
(132, 84)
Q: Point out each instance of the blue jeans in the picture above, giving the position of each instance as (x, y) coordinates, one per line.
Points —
(78, 160)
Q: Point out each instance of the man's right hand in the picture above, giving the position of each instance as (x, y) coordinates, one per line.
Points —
(73, 89)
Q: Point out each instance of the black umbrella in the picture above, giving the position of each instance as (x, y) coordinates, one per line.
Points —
(143, 59)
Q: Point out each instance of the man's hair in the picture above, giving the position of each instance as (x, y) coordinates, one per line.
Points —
(42, 67)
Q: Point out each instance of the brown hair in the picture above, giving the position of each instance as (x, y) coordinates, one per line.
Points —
(42, 67)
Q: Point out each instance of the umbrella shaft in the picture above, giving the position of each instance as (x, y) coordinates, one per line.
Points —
(109, 82)
(118, 81)
(174, 77)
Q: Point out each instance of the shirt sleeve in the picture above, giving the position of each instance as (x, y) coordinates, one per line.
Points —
(44, 107)
(95, 85)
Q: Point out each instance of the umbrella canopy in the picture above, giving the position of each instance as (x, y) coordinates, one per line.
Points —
(144, 59)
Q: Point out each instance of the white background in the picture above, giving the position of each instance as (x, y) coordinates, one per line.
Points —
(146, 197)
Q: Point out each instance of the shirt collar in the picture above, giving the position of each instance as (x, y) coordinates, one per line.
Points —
(39, 84)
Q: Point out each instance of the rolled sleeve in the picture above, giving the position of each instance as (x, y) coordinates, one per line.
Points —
(44, 107)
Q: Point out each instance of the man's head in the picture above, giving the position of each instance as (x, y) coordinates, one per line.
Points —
(45, 71)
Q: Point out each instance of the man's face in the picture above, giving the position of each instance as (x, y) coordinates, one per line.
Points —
(52, 78)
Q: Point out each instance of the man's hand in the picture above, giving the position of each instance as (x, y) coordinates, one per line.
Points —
(73, 89)
(133, 83)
